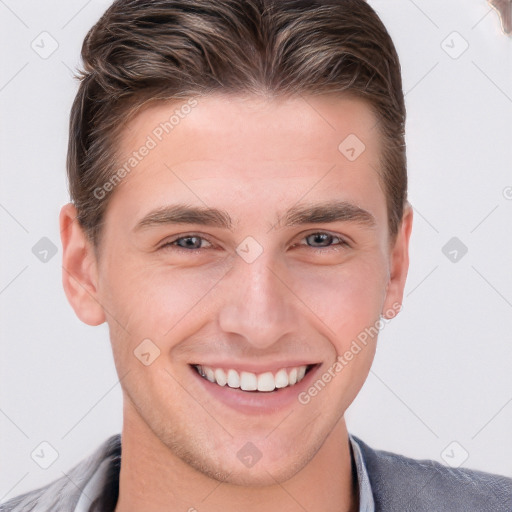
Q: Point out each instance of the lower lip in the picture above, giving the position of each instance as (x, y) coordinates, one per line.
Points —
(257, 402)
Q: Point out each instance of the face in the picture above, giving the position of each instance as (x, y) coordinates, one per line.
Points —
(240, 260)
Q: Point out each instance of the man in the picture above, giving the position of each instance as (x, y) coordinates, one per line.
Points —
(239, 218)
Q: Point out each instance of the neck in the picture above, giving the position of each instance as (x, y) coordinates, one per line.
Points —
(153, 478)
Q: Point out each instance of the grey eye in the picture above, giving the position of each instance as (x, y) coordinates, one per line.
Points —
(192, 242)
(320, 238)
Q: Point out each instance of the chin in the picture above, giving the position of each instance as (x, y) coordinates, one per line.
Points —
(257, 476)
(266, 471)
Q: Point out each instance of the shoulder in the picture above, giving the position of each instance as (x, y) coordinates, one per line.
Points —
(63, 494)
(406, 484)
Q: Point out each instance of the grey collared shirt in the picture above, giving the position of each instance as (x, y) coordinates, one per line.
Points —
(96, 483)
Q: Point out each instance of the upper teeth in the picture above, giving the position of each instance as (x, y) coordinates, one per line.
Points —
(248, 381)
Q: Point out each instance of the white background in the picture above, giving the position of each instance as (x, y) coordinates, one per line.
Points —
(443, 367)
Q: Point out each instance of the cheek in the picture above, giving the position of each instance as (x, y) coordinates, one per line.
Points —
(348, 301)
(347, 298)
(150, 301)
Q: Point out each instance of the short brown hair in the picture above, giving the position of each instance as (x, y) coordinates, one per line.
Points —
(142, 51)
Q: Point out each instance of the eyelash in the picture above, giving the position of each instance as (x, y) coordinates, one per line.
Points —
(170, 244)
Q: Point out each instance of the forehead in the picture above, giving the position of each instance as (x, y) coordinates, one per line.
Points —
(225, 148)
(253, 127)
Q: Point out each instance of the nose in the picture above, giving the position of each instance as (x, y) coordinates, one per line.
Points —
(258, 305)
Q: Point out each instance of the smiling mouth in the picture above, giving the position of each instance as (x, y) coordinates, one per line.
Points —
(248, 381)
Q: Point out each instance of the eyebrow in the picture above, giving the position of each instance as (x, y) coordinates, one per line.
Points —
(332, 211)
(186, 214)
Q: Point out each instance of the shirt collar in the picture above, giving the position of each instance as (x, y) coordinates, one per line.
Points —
(366, 503)
(94, 487)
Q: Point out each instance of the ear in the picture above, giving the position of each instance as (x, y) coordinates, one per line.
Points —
(79, 268)
(398, 266)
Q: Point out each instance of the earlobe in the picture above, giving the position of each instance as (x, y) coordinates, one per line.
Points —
(79, 269)
(399, 266)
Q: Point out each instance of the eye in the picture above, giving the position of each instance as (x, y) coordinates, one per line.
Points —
(187, 243)
(324, 239)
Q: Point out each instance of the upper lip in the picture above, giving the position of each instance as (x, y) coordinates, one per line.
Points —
(255, 367)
